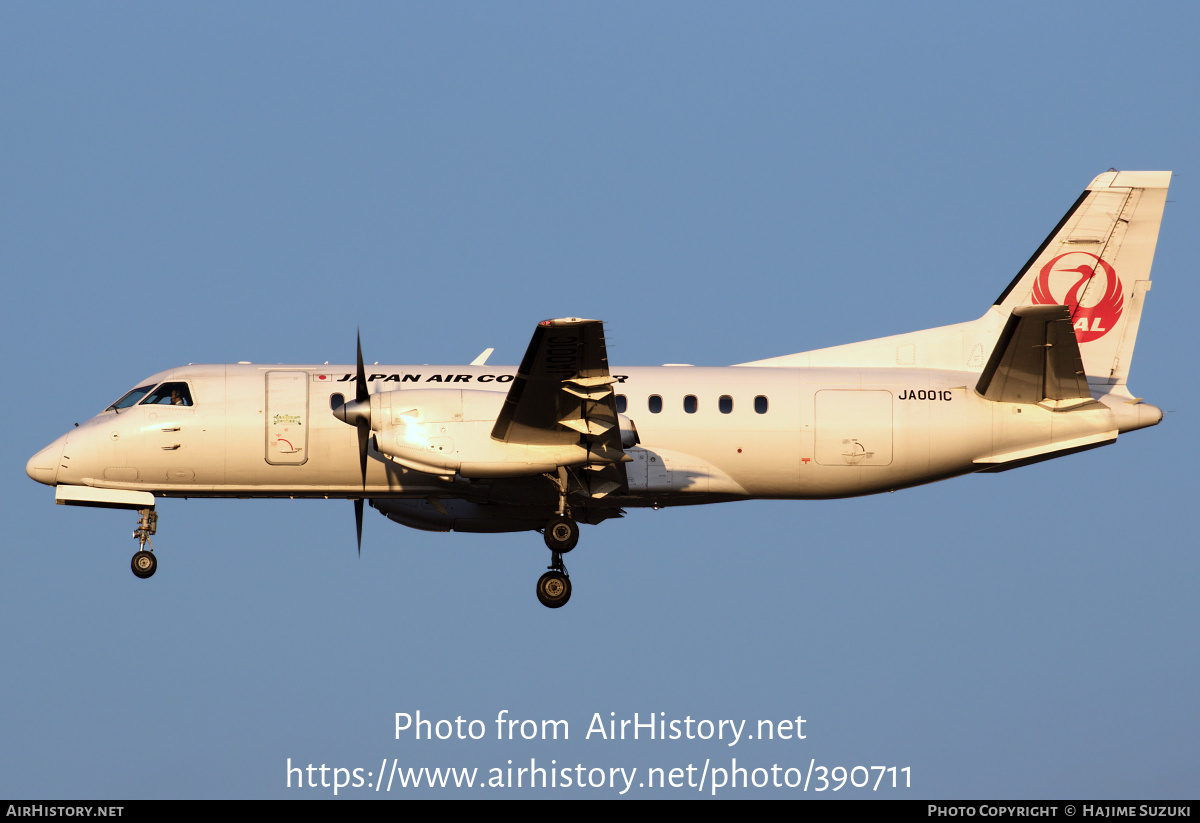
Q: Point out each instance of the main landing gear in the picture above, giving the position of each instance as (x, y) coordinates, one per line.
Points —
(554, 587)
(144, 563)
(561, 535)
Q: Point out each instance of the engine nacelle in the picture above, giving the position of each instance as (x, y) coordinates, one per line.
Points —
(451, 514)
(629, 435)
(461, 516)
(446, 432)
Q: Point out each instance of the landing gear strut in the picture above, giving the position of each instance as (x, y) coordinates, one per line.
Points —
(561, 535)
(562, 532)
(144, 563)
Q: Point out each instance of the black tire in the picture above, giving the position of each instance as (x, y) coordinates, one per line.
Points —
(554, 589)
(144, 564)
(562, 533)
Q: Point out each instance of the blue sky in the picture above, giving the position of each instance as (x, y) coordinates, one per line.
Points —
(718, 184)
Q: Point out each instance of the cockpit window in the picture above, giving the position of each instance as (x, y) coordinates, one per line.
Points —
(130, 398)
(170, 394)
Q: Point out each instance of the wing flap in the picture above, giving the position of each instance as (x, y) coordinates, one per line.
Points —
(586, 425)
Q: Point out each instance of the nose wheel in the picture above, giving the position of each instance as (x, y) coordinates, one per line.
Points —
(144, 563)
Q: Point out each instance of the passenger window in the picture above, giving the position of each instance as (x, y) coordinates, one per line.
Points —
(655, 404)
(689, 404)
(760, 404)
(725, 404)
(170, 394)
(130, 398)
(336, 400)
(622, 404)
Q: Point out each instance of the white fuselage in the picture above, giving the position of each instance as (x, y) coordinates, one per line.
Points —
(755, 432)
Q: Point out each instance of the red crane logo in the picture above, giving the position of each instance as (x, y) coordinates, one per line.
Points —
(1097, 284)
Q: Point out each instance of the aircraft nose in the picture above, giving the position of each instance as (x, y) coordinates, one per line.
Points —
(43, 466)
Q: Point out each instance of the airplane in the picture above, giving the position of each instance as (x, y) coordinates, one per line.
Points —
(563, 439)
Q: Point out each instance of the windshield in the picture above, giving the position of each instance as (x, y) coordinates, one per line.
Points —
(130, 398)
(172, 394)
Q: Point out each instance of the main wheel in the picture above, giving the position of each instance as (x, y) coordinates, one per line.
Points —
(554, 589)
(562, 533)
(144, 564)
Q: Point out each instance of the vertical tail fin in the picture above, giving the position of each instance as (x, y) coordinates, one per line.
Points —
(1097, 262)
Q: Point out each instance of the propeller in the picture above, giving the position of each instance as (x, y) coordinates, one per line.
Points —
(358, 513)
(357, 412)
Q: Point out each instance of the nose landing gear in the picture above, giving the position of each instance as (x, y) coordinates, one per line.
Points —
(144, 563)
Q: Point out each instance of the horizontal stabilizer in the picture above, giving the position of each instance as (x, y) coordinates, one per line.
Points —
(1047, 451)
(1036, 360)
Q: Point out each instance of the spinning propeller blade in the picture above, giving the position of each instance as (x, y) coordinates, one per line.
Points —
(358, 511)
(357, 413)
(363, 422)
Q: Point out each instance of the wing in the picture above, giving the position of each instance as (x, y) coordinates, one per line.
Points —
(563, 394)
